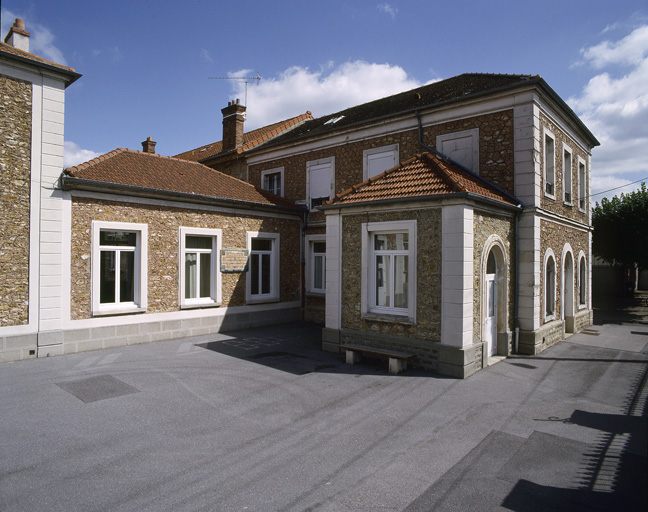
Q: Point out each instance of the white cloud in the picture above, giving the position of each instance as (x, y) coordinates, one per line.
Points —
(74, 155)
(41, 40)
(614, 106)
(388, 9)
(324, 91)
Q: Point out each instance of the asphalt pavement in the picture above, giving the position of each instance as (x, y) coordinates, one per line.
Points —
(262, 420)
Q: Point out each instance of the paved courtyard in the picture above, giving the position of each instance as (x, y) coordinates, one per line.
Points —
(262, 420)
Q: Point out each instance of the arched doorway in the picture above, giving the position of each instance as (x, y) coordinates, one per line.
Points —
(494, 298)
(568, 292)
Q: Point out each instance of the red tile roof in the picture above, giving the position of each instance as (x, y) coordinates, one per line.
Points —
(421, 177)
(125, 167)
(251, 139)
(10, 52)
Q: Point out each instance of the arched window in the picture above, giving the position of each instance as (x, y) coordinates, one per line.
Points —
(582, 281)
(550, 287)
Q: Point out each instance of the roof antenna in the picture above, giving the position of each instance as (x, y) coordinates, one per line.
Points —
(240, 79)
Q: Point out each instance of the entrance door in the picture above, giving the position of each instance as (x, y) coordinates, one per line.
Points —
(490, 326)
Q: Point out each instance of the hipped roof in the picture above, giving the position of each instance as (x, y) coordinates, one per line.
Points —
(423, 177)
(135, 172)
(10, 52)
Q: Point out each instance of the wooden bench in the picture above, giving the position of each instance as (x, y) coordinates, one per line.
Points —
(397, 360)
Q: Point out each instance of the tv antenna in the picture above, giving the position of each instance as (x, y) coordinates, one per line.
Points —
(241, 79)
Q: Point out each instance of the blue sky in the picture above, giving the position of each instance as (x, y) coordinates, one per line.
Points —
(146, 64)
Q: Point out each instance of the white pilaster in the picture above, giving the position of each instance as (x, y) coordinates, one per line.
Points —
(457, 276)
(526, 119)
(530, 267)
(333, 312)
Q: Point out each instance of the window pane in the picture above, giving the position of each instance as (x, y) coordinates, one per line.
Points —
(400, 281)
(254, 273)
(198, 242)
(265, 273)
(491, 264)
(190, 275)
(319, 247)
(127, 276)
(491, 298)
(318, 272)
(391, 242)
(121, 238)
(383, 292)
(261, 244)
(551, 287)
(107, 277)
(205, 274)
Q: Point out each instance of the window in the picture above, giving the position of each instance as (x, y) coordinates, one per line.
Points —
(378, 160)
(550, 287)
(390, 277)
(263, 268)
(119, 271)
(582, 282)
(199, 276)
(549, 163)
(319, 181)
(462, 147)
(581, 184)
(272, 180)
(316, 281)
(567, 175)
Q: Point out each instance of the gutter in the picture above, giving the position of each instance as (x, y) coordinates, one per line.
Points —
(69, 183)
(73, 75)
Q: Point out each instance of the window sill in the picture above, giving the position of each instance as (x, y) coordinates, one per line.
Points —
(262, 300)
(382, 317)
(581, 307)
(549, 196)
(570, 205)
(200, 306)
(311, 293)
(119, 311)
(549, 319)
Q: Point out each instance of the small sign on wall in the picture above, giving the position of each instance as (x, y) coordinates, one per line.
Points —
(233, 260)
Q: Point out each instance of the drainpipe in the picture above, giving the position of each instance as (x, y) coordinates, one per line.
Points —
(304, 222)
(516, 340)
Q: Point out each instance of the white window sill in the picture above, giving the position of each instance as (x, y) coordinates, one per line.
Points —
(313, 293)
(388, 317)
(571, 205)
(262, 300)
(582, 307)
(549, 196)
(549, 319)
(200, 305)
(118, 311)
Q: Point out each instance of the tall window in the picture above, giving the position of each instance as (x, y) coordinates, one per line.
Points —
(391, 279)
(263, 268)
(320, 181)
(317, 263)
(272, 180)
(199, 276)
(378, 160)
(549, 163)
(118, 275)
(550, 287)
(581, 185)
(582, 281)
(567, 175)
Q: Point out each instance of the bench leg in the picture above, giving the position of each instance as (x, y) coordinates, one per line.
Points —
(353, 357)
(397, 365)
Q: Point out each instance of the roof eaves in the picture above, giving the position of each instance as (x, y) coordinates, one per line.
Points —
(34, 60)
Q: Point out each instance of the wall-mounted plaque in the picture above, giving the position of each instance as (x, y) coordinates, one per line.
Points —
(233, 260)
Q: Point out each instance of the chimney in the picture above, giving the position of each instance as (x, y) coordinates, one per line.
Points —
(18, 37)
(233, 119)
(148, 146)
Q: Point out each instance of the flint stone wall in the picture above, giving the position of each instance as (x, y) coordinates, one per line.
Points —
(15, 175)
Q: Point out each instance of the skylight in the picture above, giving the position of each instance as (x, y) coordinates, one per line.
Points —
(333, 120)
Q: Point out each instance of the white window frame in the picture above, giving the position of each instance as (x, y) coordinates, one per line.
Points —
(567, 174)
(473, 134)
(273, 295)
(550, 194)
(368, 287)
(552, 315)
(140, 301)
(582, 187)
(215, 296)
(269, 172)
(330, 161)
(310, 264)
(582, 282)
(368, 153)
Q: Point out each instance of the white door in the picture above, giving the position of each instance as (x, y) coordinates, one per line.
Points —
(490, 326)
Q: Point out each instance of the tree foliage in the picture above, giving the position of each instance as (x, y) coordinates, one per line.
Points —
(621, 229)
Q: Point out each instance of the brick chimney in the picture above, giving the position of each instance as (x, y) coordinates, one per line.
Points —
(18, 37)
(148, 146)
(233, 119)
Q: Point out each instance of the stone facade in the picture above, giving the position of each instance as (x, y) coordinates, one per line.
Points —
(486, 225)
(15, 173)
(163, 228)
